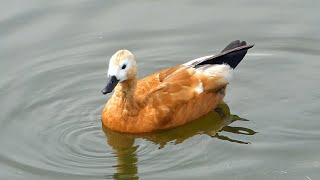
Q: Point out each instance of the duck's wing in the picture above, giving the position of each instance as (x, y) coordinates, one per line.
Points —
(203, 75)
(180, 84)
(208, 70)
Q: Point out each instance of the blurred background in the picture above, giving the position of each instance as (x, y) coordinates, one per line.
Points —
(53, 63)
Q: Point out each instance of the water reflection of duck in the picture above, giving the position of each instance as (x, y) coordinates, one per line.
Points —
(210, 124)
(171, 97)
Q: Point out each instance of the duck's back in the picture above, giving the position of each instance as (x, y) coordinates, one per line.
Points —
(151, 82)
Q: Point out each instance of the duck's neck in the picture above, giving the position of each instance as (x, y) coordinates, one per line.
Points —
(125, 91)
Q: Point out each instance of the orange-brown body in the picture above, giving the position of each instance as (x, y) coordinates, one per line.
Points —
(171, 97)
(163, 100)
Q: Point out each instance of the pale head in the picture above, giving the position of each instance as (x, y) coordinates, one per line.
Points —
(122, 67)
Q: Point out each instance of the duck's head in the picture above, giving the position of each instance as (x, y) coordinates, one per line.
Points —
(122, 67)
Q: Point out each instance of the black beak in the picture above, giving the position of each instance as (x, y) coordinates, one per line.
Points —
(111, 84)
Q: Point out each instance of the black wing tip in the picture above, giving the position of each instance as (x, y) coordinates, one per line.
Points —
(231, 55)
(237, 44)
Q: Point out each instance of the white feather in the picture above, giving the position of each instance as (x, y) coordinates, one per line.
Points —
(223, 70)
(199, 89)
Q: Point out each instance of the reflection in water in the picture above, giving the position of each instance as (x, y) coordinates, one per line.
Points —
(210, 124)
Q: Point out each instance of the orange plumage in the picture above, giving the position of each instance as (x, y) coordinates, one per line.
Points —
(168, 98)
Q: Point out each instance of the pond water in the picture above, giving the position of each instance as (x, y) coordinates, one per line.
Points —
(53, 63)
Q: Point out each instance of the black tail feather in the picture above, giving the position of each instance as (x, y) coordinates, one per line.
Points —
(231, 55)
(233, 45)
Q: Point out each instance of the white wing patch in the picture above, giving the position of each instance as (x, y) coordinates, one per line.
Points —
(223, 70)
(199, 88)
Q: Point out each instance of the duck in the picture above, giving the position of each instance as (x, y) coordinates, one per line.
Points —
(168, 98)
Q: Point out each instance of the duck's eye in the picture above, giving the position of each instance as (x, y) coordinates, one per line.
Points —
(124, 66)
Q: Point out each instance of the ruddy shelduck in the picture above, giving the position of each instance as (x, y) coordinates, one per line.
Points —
(168, 98)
